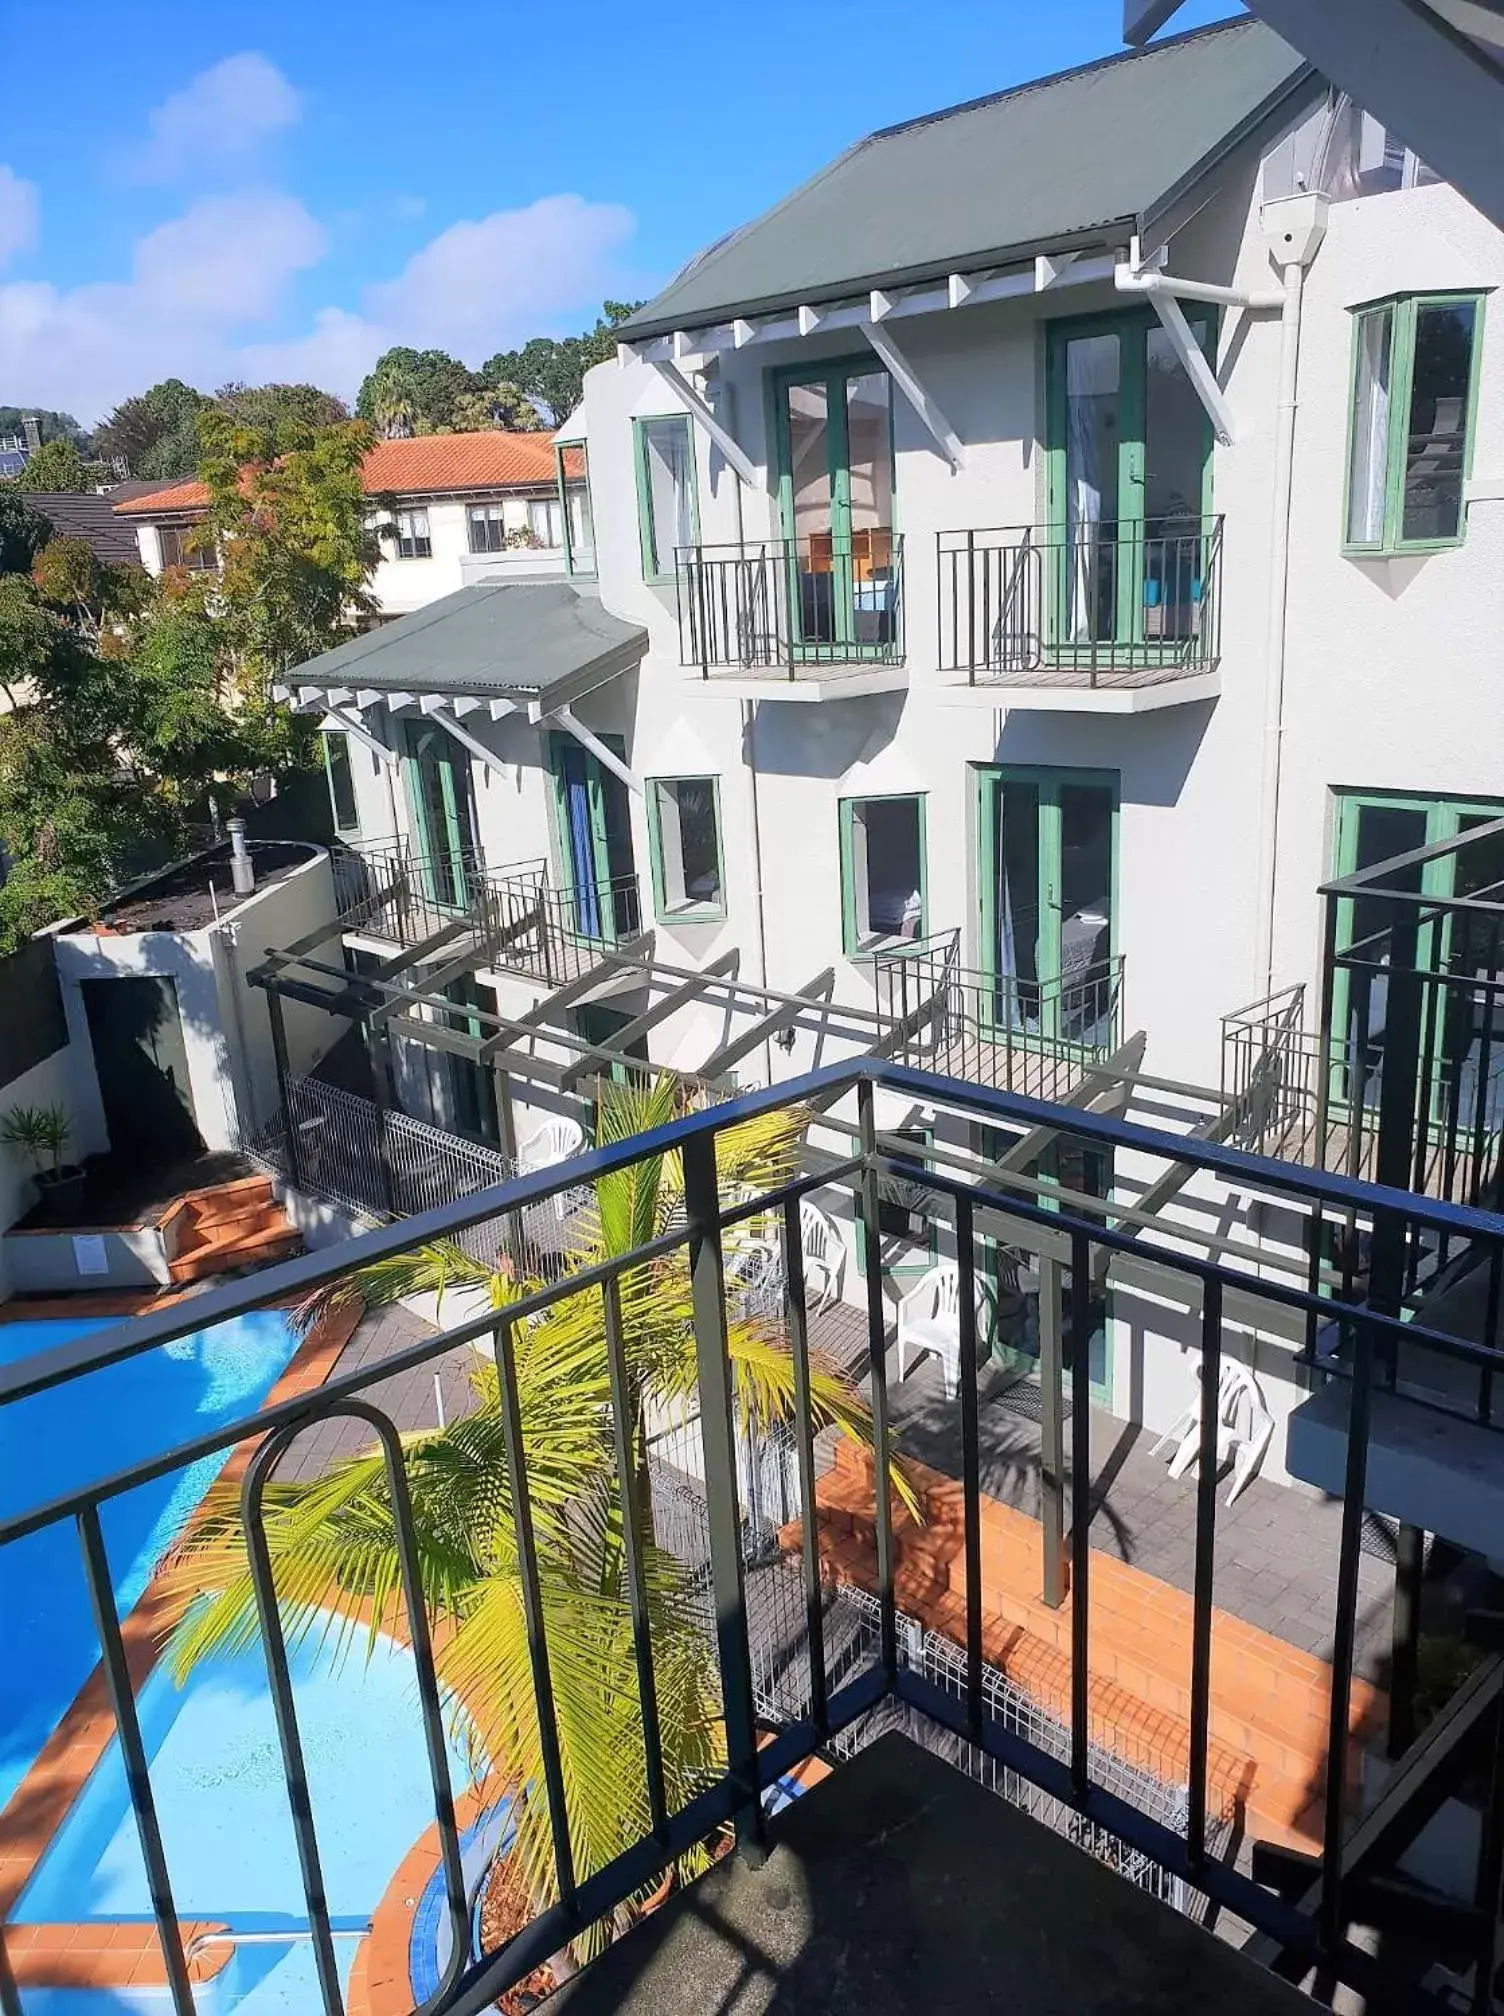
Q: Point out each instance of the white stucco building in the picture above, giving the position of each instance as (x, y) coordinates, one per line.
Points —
(453, 508)
(1054, 541)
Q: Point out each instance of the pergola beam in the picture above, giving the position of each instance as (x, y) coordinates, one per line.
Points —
(787, 1012)
(908, 381)
(678, 997)
(466, 740)
(607, 758)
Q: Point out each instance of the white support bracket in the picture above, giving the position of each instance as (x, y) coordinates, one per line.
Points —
(1197, 369)
(608, 758)
(906, 378)
(729, 446)
(351, 725)
(466, 740)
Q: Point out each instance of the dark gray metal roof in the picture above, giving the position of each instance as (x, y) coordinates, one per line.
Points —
(87, 515)
(528, 640)
(993, 180)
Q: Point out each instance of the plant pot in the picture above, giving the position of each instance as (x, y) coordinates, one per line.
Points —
(63, 1189)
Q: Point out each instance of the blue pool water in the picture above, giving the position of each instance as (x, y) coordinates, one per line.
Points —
(231, 1853)
(72, 1435)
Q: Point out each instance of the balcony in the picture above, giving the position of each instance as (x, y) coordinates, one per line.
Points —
(391, 891)
(1111, 618)
(696, 1563)
(820, 618)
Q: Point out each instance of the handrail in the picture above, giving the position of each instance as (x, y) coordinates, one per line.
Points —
(781, 605)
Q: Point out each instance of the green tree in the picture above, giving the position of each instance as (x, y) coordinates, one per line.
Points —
(414, 392)
(155, 433)
(24, 531)
(96, 596)
(332, 1540)
(496, 406)
(59, 465)
(289, 413)
(551, 370)
(55, 426)
(296, 549)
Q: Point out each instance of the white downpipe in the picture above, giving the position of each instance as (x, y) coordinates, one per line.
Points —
(1279, 594)
(1130, 280)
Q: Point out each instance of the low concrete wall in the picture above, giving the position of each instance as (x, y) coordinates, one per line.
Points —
(53, 1263)
(322, 1225)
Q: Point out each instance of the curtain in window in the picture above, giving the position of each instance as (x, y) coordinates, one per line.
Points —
(1091, 385)
(1370, 453)
(667, 447)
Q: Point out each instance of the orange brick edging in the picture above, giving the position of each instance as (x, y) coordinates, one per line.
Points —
(104, 1955)
(1270, 1702)
(42, 1800)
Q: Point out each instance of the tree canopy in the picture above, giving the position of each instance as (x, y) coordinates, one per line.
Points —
(288, 412)
(23, 530)
(60, 465)
(56, 426)
(551, 370)
(155, 433)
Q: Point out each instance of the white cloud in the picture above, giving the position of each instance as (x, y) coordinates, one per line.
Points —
(204, 286)
(223, 116)
(18, 214)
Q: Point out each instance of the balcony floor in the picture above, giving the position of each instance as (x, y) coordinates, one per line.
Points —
(899, 1886)
(1069, 689)
(810, 682)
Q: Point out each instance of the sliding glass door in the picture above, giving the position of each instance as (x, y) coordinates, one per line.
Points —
(1048, 881)
(443, 813)
(1129, 487)
(834, 441)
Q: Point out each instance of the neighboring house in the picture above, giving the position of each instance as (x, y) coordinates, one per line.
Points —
(1058, 537)
(466, 507)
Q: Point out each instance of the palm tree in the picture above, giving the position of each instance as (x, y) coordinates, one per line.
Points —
(331, 1540)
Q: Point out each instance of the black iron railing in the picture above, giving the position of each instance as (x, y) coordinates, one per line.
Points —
(1078, 1241)
(1014, 1033)
(783, 605)
(1089, 604)
(391, 890)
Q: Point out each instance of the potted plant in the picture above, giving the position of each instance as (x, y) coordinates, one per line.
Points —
(41, 1132)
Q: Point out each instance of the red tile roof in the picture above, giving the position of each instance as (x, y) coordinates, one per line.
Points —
(421, 467)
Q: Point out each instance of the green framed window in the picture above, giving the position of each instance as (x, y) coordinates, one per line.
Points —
(443, 812)
(668, 503)
(341, 778)
(833, 446)
(1410, 422)
(1128, 457)
(884, 879)
(577, 519)
(1375, 826)
(594, 828)
(684, 827)
(1047, 876)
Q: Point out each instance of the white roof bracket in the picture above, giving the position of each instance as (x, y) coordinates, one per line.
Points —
(1048, 268)
(608, 758)
(880, 305)
(909, 383)
(1197, 369)
(466, 740)
(500, 709)
(809, 319)
(959, 289)
(743, 332)
(721, 435)
(350, 724)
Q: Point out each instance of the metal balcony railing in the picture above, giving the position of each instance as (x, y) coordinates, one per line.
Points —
(819, 1692)
(997, 1029)
(389, 889)
(783, 606)
(1101, 604)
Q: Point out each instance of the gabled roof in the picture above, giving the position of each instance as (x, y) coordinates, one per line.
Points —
(514, 640)
(90, 516)
(1085, 155)
(428, 465)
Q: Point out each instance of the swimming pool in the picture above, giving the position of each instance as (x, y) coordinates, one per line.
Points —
(54, 1442)
(222, 1806)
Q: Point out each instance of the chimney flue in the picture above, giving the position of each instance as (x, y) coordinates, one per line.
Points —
(242, 872)
(31, 429)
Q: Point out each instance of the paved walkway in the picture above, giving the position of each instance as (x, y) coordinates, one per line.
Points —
(408, 1398)
(1275, 1551)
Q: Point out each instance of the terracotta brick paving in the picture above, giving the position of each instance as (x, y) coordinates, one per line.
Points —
(1269, 1700)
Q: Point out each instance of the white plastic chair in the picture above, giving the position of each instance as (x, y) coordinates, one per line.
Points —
(555, 1141)
(824, 1255)
(929, 1320)
(754, 1268)
(1245, 1428)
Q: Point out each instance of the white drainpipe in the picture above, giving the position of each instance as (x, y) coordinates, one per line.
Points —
(1293, 228)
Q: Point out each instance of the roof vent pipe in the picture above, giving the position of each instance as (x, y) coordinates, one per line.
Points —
(242, 871)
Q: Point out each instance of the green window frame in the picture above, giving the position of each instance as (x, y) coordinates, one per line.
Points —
(343, 802)
(1385, 492)
(858, 935)
(1048, 781)
(579, 557)
(658, 566)
(672, 901)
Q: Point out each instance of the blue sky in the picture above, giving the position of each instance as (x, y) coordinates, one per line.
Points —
(282, 190)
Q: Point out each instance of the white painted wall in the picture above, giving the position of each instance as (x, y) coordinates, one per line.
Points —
(64, 1079)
